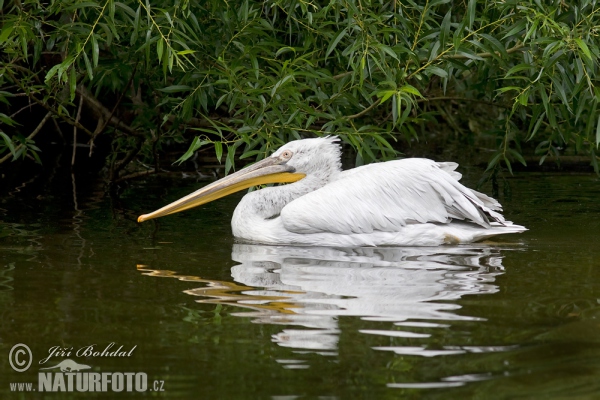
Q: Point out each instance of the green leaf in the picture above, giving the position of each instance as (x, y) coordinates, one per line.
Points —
(396, 108)
(518, 156)
(595, 163)
(9, 143)
(255, 67)
(72, 83)
(249, 153)
(537, 125)
(171, 58)
(175, 89)
(437, 71)
(219, 150)
(136, 26)
(95, 50)
(584, 47)
(532, 30)
(384, 142)
(523, 98)
(196, 144)
(280, 83)
(335, 42)
(5, 119)
(598, 133)
(445, 28)
(496, 45)
(384, 95)
(591, 120)
(88, 66)
(410, 89)
(509, 88)
(24, 45)
(508, 164)
(493, 162)
(83, 4)
(518, 68)
(159, 49)
(471, 12)
(558, 86)
(284, 50)
(516, 28)
(389, 51)
(63, 67)
(229, 160)
(51, 73)
(6, 31)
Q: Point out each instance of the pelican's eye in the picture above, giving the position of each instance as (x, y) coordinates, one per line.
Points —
(286, 155)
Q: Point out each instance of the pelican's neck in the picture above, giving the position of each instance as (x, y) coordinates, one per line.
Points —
(261, 205)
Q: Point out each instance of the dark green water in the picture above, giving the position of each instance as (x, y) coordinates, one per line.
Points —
(518, 318)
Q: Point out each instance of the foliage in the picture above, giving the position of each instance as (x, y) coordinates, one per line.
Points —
(249, 75)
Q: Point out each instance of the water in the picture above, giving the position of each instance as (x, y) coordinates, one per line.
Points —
(515, 318)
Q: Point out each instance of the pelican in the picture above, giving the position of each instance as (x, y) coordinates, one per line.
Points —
(408, 202)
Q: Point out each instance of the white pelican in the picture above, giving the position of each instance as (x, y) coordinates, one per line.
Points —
(409, 202)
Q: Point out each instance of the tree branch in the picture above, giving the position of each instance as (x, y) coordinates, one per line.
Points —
(366, 110)
(46, 106)
(21, 109)
(119, 165)
(75, 131)
(118, 100)
(31, 136)
(101, 111)
(516, 48)
(195, 122)
(135, 175)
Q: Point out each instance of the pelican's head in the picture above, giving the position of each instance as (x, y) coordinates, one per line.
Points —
(312, 157)
(319, 157)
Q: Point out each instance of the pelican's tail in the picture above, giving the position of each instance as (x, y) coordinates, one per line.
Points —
(458, 232)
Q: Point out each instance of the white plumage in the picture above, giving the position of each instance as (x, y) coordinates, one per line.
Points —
(409, 202)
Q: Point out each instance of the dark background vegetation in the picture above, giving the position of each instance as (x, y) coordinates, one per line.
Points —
(126, 87)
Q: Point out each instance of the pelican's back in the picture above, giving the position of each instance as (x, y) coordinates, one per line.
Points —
(388, 196)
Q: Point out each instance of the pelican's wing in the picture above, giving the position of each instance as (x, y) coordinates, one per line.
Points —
(386, 196)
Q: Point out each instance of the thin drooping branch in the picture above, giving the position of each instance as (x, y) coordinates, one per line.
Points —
(75, 131)
(68, 120)
(516, 48)
(366, 110)
(135, 175)
(119, 165)
(195, 122)
(21, 109)
(58, 130)
(98, 108)
(106, 120)
(342, 75)
(31, 136)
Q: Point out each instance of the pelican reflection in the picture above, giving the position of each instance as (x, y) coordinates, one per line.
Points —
(307, 289)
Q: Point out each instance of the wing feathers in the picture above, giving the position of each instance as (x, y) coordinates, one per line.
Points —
(386, 196)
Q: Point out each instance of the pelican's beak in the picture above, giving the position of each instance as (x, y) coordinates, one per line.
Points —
(269, 170)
